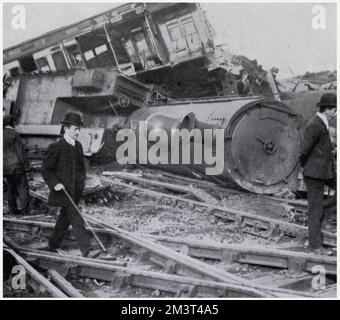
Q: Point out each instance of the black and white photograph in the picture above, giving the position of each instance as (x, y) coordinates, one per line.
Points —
(168, 151)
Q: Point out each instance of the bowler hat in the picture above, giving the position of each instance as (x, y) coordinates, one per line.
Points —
(327, 100)
(73, 118)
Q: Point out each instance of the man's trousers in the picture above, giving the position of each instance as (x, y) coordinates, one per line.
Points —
(17, 185)
(315, 190)
(69, 216)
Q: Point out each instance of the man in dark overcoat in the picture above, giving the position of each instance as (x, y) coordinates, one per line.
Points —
(317, 161)
(64, 168)
(15, 166)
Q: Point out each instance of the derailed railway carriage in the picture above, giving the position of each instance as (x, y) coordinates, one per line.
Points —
(154, 63)
(261, 139)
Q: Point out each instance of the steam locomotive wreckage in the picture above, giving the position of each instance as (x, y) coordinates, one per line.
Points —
(143, 71)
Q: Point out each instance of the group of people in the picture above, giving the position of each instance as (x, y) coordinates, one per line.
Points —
(64, 172)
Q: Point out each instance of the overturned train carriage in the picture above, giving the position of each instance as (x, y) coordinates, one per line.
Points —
(261, 140)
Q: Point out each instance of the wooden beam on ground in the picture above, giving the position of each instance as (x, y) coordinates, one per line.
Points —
(278, 258)
(36, 276)
(170, 186)
(185, 262)
(64, 284)
(143, 278)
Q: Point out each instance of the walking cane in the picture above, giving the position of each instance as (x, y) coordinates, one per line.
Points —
(85, 221)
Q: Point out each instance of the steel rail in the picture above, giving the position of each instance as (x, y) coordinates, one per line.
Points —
(191, 264)
(183, 264)
(295, 262)
(104, 270)
(178, 284)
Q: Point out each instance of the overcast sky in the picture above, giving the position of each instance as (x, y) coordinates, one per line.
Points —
(275, 34)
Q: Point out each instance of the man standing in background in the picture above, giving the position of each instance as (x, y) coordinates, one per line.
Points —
(15, 166)
(317, 161)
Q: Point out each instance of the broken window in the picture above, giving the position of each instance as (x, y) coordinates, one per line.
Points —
(27, 64)
(43, 65)
(95, 47)
(59, 61)
(74, 55)
(143, 48)
(128, 45)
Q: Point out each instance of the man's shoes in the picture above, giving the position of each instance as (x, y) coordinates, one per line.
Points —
(322, 251)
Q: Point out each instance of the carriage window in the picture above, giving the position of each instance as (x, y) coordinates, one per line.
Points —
(100, 49)
(88, 55)
(174, 31)
(188, 26)
(43, 65)
(183, 34)
(176, 36)
(27, 64)
(74, 55)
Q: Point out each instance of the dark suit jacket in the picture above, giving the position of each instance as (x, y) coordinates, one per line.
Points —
(316, 155)
(14, 153)
(64, 164)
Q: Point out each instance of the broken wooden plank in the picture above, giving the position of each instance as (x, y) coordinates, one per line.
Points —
(277, 258)
(140, 180)
(165, 255)
(64, 284)
(36, 276)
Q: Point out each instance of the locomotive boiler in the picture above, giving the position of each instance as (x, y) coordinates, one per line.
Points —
(261, 139)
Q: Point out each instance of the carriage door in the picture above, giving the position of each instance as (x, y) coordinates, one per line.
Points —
(143, 48)
(59, 61)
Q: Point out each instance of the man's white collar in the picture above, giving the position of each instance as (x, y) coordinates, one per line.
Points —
(69, 140)
(323, 118)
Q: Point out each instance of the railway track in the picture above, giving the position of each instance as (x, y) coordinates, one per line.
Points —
(258, 225)
(176, 262)
(294, 262)
(183, 258)
(119, 276)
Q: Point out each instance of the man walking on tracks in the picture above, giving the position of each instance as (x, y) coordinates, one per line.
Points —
(64, 169)
(317, 160)
(15, 167)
